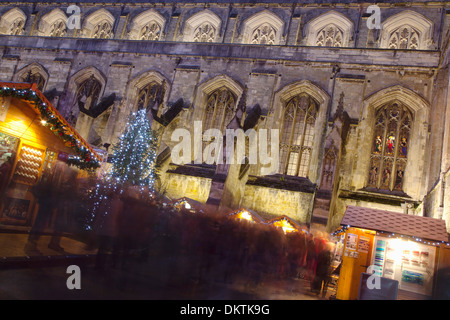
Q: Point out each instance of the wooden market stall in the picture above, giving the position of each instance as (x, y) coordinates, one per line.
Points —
(35, 142)
(399, 248)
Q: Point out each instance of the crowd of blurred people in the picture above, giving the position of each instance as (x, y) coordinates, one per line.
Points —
(204, 246)
(128, 226)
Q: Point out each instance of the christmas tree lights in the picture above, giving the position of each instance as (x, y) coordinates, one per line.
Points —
(133, 160)
(133, 165)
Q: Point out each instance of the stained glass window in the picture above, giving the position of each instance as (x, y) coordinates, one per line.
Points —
(297, 135)
(390, 147)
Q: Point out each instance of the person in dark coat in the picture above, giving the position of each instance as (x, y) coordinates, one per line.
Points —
(44, 193)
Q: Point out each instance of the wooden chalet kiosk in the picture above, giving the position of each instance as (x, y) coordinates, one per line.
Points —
(35, 142)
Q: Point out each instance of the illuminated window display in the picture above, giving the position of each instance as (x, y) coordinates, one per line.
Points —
(410, 263)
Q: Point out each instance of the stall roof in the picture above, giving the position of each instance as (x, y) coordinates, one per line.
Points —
(38, 102)
(394, 222)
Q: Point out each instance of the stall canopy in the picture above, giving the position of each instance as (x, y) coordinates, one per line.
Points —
(416, 227)
(82, 156)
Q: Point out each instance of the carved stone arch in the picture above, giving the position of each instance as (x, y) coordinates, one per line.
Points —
(419, 108)
(34, 72)
(98, 24)
(53, 24)
(203, 26)
(265, 25)
(147, 25)
(418, 34)
(340, 25)
(13, 22)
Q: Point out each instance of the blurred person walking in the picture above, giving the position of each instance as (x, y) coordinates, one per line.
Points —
(44, 193)
(107, 228)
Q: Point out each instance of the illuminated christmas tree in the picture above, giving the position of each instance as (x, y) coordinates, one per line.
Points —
(133, 164)
(134, 156)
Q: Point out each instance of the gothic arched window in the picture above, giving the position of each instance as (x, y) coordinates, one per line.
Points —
(329, 36)
(205, 33)
(405, 37)
(88, 93)
(264, 34)
(16, 28)
(297, 135)
(58, 29)
(34, 77)
(407, 30)
(390, 147)
(102, 30)
(220, 109)
(331, 29)
(149, 95)
(151, 31)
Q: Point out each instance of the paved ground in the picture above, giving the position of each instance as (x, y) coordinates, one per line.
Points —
(31, 276)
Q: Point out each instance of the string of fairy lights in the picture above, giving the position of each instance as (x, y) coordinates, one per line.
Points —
(394, 235)
(133, 164)
(84, 158)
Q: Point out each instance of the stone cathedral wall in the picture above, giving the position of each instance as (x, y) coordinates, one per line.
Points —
(353, 77)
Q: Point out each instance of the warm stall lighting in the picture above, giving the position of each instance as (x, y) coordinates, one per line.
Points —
(285, 225)
(245, 215)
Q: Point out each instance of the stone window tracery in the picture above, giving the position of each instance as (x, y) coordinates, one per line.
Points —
(16, 28)
(88, 93)
(407, 30)
(405, 37)
(34, 77)
(297, 135)
(390, 147)
(219, 110)
(102, 30)
(151, 31)
(205, 33)
(148, 95)
(264, 34)
(58, 29)
(330, 36)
